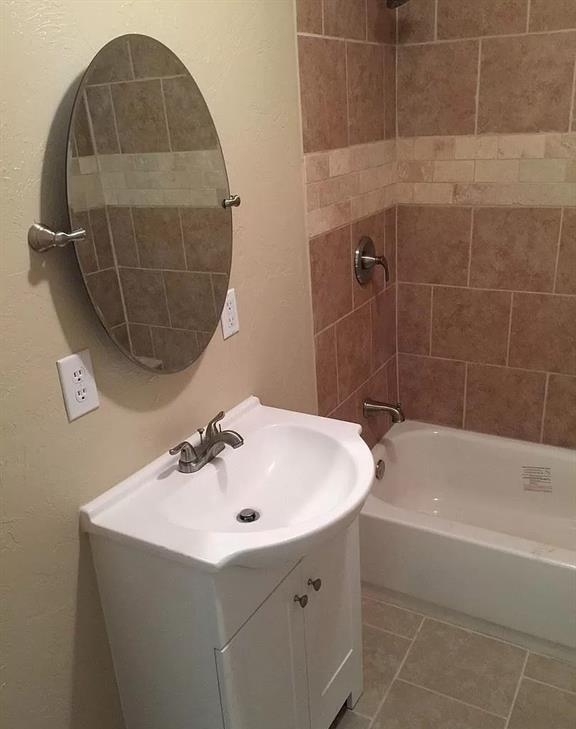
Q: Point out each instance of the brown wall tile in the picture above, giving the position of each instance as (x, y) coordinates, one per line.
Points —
(389, 92)
(102, 117)
(566, 277)
(326, 371)
(174, 347)
(433, 244)
(347, 410)
(82, 133)
(458, 19)
(381, 22)
(123, 238)
(141, 340)
(391, 244)
(101, 237)
(345, 18)
(353, 338)
(190, 300)
(331, 278)
(85, 250)
(416, 21)
(365, 92)
(414, 309)
(207, 238)
(384, 326)
(140, 117)
(324, 116)
(189, 121)
(373, 227)
(112, 65)
(309, 16)
(552, 14)
(470, 325)
(105, 295)
(525, 83)
(504, 401)
(543, 335)
(159, 238)
(560, 419)
(437, 88)
(431, 389)
(120, 335)
(144, 296)
(515, 248)
(152, 59)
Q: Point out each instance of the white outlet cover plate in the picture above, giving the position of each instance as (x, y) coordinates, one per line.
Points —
(229, 318)
(78, 384)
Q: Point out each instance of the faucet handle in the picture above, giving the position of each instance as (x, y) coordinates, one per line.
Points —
(211, 428)
(186, 451)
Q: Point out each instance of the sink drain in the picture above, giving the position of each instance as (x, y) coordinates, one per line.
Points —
(247, 515)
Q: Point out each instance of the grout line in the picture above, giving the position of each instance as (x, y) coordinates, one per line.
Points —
(136, 80)
(337, 368)
(546, 386)
(168, 134)
(398, 607)
(573, 104)
(504, 36)
(359, 388)
(130, 59)
(470, 247)
(366, 19)
(339, 38)
(391, 632)
(323, 14)
(431, 320)
(509, 329)
(558, 251)
(464, 400)
(476, 111)
(483, 364)
(346, 80)
(436, 20)
(483, 288)
(549, 685)
(517, 690)
(528, 12)
(452, 698)
(400, 667)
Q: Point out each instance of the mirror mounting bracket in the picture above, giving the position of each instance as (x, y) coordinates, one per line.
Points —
(42, 239)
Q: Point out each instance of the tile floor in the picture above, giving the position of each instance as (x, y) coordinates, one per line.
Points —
(421, 672)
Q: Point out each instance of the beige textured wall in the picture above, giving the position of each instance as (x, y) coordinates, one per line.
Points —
(57, 668)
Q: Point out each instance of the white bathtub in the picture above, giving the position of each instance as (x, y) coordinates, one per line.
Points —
(456, 521)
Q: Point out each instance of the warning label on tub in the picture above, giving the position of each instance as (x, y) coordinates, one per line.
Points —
(537, 478)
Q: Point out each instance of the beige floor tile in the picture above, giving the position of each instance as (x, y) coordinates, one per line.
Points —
(391, 618)
(383, 654)
(412, 707)
(348, 720)
(548, 670)
(543, 707)
(466, 666)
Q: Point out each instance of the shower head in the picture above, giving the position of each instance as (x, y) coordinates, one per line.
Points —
(391, 4)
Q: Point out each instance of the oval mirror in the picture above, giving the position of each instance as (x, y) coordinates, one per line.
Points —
(146, 179)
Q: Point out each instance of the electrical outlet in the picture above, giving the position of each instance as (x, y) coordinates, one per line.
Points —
(78, 384)
(229, 318)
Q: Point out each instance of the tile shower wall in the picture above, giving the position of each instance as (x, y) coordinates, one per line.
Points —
(348, 95)
(487, 222)
(476, 151)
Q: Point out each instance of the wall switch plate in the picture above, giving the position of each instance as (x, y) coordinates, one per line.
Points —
(229, 318)
(78, 384)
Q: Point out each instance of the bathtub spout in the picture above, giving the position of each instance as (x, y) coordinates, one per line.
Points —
(373, 407)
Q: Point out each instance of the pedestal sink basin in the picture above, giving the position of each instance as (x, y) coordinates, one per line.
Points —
(296, 481)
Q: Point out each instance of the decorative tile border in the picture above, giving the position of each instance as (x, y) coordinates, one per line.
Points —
(520, 169)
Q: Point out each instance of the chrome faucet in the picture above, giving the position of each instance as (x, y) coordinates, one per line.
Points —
(212, 442)
(373, 407)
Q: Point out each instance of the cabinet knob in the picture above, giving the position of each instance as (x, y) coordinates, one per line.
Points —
(316, 584)
(302, 600)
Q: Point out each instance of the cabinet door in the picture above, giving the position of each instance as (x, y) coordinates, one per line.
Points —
(262, 670)
(332, 624)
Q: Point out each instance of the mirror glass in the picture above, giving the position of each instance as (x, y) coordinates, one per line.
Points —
(146, 179)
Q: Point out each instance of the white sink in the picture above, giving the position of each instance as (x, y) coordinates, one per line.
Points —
(306, 476)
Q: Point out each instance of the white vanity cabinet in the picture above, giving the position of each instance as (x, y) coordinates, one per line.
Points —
(297, 659)
(233, 649)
